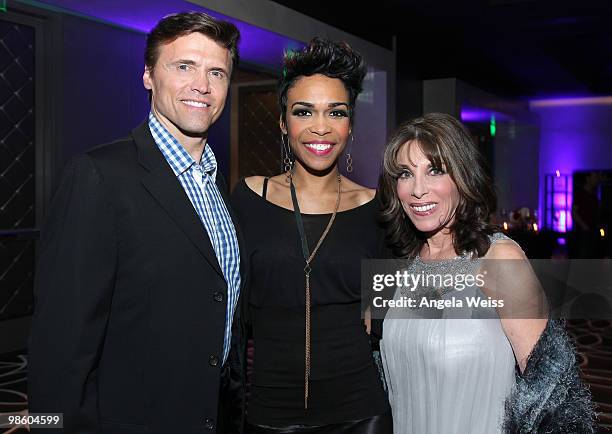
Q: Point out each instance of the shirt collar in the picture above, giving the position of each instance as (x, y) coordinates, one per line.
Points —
(209, 162)
(177, 156)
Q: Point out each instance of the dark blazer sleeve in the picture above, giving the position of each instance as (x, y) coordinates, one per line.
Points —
(73, 290)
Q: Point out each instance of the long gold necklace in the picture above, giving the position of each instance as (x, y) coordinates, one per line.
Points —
(308, 257)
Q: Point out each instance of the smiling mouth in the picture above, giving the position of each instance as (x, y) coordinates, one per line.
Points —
(196, 104)
(319, 147)
(424, 209)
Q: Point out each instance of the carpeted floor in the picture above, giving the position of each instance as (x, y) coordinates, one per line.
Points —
(593, 339)
(13, 392)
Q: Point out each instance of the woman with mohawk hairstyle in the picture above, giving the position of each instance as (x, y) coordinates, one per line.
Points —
(313, 367)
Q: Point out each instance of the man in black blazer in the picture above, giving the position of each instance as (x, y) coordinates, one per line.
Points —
(139, 270)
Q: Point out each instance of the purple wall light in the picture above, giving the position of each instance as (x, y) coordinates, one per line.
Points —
(575, 134)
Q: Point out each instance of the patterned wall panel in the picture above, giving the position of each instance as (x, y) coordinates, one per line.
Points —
(259, 134)
(17, 168)
(16, 277)
(17, 193)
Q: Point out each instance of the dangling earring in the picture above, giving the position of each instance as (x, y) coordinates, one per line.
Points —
(287, 160)
(349, 159)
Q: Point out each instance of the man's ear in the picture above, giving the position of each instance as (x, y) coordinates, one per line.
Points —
(147, 79)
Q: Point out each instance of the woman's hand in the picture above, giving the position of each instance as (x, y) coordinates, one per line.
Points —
(367, 320)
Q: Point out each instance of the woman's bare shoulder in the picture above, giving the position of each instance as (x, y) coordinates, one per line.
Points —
(505, 249)
(255, 183)
(360, 194)
(275, 183)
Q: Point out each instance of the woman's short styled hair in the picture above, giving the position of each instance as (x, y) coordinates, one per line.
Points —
(325, 57)
(448, 145)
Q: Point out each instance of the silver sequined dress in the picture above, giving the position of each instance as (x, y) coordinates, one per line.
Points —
(447, 375)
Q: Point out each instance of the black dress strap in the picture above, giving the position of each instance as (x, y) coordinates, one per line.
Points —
(265, 187)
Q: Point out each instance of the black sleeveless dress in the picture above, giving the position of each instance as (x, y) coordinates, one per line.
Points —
(344, 383)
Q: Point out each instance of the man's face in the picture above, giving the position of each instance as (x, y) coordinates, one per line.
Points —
(189, 85)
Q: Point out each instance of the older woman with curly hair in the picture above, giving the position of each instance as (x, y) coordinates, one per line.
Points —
(483, 373)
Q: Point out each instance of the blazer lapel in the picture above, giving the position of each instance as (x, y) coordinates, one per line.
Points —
(163, 185)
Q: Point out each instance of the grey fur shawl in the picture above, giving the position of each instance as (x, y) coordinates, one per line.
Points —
(549, 396)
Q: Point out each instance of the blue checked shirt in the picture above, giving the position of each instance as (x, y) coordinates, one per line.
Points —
(198, 180)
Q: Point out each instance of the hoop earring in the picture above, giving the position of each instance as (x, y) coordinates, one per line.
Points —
(349, 159)
(287, 159)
